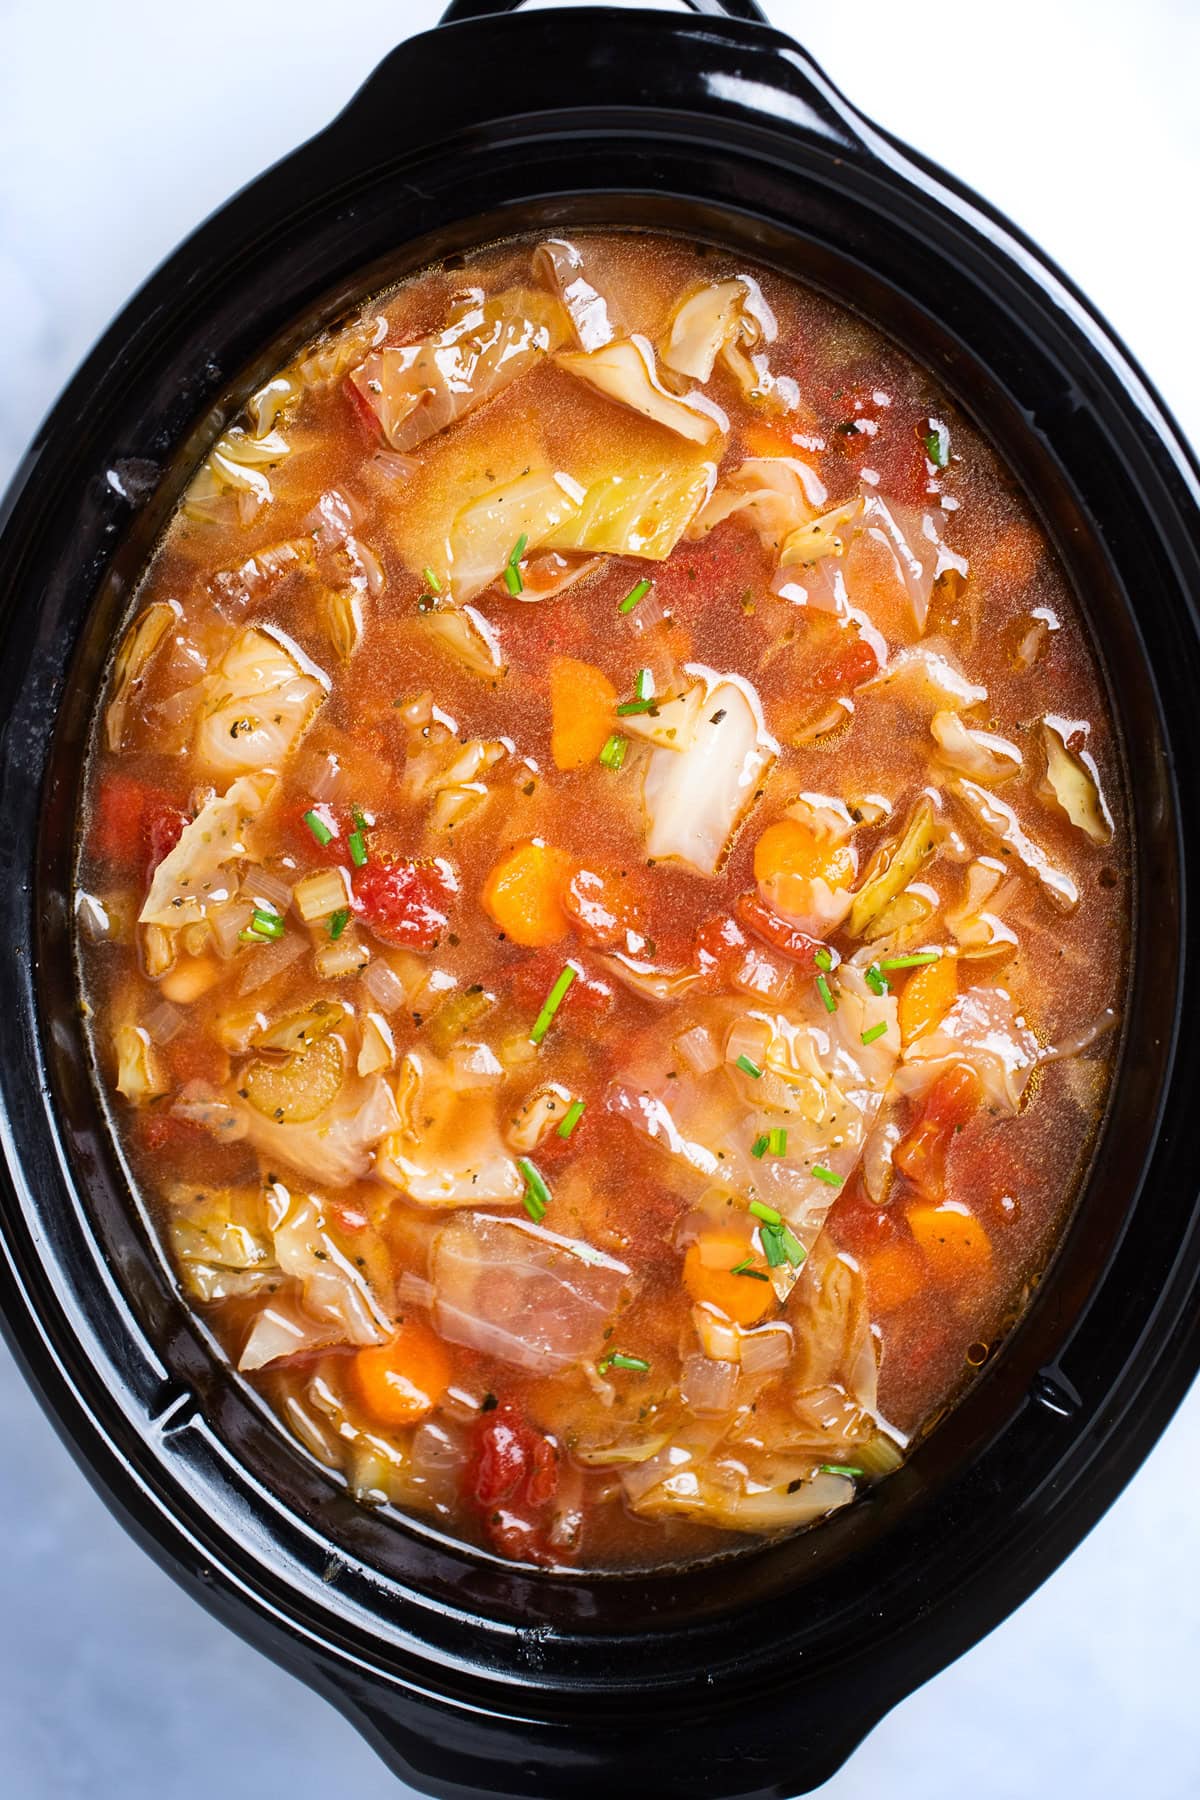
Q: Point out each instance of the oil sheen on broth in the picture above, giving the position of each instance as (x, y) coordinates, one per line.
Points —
(602, 891)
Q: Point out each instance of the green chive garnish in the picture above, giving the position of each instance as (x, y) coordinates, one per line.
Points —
(766, 1213)
(826, 993)
(772, 1243)
(911, 962)
(749, 1068)
(823, 960)
(744, 1268)
(536, 1197)
(572, 1115)
(554, 1000)
(778, 1143)
(613, 753)
(512, 579)
(793, 1249)
(431, 581)
(636, 594)
(937, 444)
(826, 1175)
(618, 1360)
(759, 1146)
(643, 685)
(518, 549)
(877, 983)
(319, 828)
(876, 1031)
(838, 1469)
(358, 848)
(267, 924)
(628, 707)
(338, 922)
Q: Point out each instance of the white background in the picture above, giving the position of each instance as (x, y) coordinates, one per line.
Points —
(121, 125)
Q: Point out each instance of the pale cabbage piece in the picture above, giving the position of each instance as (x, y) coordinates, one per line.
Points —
(981, 754)
(333, 1288)
(835, 1356)
(688, 1482)
(826, 535)
(777, 494)
(696, 798)
(258, 702)
(333, 1149)
(221, 1244)
(546, 572)
(1001, 823)
(895, 864)
(563, 266)
(1072, 778)
(914, 544)
(820, 1082)
(927, 675)
(517, 1291)
(636, 511)
(483, 534)
(325, 364)
(976, 927)
(416, 390)
(283, 1328)
(982, 1028)
(467, 635)
(728, 320)
(141, 1076)
(196, 873)
(674, 721)
(137, 649)
(625, 371)
(822, 586)
(447, 1149)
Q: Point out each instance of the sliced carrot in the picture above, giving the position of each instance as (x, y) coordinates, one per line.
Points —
(524, 893)
(895, 1275)
(402, 1381)
(953, 1242)
(582, 700)
(927, 996)
(921, 1153)
(790, 856)
(707, 1275)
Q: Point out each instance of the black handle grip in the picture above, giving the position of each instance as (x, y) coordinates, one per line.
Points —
(459, 10)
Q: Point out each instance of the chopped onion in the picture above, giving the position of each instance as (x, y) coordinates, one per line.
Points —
(474, 1066)
(164, 1023)
(385, 986)
(263, 965)
(414, 1290)
(261, 886)
(708, 1388)
(698, 1050)
(765, 1348)
(324, 777)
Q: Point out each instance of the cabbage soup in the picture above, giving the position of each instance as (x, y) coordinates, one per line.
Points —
(602, 898)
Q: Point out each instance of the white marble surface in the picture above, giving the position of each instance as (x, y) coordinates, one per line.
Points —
(120, 125)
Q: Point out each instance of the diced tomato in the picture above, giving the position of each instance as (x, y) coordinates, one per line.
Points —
(133, 824)
(855, 662)
(513, 1479)
(921, 1153)
(789, 940)
(405, 903)
(163, 1131)
(719, 944)
(361, 407)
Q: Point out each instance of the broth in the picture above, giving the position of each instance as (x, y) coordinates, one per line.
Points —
(603, 891)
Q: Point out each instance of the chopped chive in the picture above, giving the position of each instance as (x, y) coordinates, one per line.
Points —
(628, 707)
(772, 1243)
(571, 1117)
(937, 444)
(826, 1175)
(512, 579)
(267, 924)
(762, 1211)
(536, 1197)
(359, 818)
(636, 594)
(759, 1146)
(877, 983)
(249, 936)
(911, 962)
(826, 993)
(358, 848)
(744, 1268)
(876, 1031)
(338, 922)
(553, 1001)
(823, 959)
(778, 1143)
(792, 1248)
(617, 1359)
(518, 550)
(749, 1068)
(643, 685)
(431, 581)
(613, 753)
(318, 827)
(838, 1469)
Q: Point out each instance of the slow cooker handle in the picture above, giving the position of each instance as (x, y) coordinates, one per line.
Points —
(459, 10)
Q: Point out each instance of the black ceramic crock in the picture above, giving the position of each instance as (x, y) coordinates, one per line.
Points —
(756, 1676)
